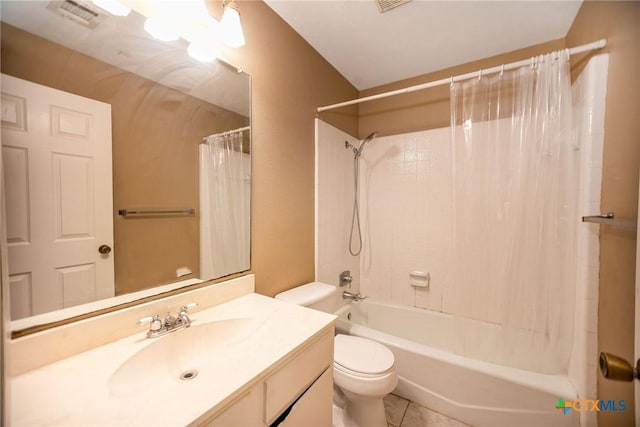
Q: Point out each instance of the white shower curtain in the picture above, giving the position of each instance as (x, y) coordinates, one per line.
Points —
(225, 185)
(515, 177)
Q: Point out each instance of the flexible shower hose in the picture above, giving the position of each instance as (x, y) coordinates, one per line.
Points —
(355, 218)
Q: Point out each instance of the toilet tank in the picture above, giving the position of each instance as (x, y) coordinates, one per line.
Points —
(316, 295)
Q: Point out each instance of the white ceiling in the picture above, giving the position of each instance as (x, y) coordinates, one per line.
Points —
(371, 48)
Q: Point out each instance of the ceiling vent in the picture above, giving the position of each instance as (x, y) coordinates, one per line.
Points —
(386, 5)
(79, 11)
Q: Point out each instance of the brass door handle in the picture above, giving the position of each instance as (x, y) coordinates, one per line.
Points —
(618, 369)
(104, 249)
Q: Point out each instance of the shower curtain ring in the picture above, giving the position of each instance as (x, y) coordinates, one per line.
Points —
(480, 74)
(502, 70)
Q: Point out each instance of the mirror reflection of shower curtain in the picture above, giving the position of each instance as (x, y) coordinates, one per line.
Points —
(225, 186)
(516, 172)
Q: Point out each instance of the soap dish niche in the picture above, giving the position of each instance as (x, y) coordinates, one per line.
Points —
(419, 279)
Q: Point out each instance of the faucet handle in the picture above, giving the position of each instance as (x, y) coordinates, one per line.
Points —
(184, 308)
(155, 325)
(346, 279)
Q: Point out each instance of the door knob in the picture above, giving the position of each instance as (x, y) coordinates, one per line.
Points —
(104, 249)
(616, 368)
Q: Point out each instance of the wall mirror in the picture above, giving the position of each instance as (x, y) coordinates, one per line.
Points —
(126, 161)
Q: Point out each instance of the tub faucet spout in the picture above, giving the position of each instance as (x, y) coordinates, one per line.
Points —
(352, 296)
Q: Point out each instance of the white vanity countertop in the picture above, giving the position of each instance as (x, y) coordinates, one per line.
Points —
(76, 391)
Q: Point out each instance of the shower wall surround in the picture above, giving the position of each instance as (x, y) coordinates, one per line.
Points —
(405, 208)
(589, 93)
(407, 217)
(334, 201)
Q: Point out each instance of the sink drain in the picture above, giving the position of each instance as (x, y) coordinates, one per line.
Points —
(188, 375)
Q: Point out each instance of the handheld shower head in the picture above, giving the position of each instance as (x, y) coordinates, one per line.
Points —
(358, 151)
(364, 142)
(370, 137)
(355, 218)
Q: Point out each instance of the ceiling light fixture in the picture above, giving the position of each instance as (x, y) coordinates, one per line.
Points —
(231, 29)
(170, 20)
(161, 29)
(201, 28)
(114, 7)
(202, 51)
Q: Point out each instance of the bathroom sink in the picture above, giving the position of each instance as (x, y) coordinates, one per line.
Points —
(197, 353)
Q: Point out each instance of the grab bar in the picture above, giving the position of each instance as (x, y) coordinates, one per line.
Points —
(131, 212)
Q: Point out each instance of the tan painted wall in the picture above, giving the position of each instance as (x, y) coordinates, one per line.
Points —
(156, 131)
(429, 108)
(290, 80)
(619, 22)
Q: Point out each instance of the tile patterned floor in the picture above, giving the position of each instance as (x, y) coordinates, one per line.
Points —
(403, 413)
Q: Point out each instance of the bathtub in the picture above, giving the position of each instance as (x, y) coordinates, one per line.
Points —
(473, 391)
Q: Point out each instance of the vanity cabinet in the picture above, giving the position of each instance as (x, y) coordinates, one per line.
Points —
(245, 411)
(261, 363)
(314, 408)
(297, 393)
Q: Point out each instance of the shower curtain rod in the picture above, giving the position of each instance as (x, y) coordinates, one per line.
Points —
(228, 132)
(578, 49)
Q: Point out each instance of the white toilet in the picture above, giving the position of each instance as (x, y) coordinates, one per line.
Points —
(363, 369)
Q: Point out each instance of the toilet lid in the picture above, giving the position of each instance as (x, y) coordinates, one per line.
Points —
(362, 355)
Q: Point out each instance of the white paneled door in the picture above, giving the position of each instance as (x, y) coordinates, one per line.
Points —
(56, 150)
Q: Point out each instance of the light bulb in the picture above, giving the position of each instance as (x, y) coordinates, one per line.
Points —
(114, 7)
(202, 51)
(231, 29)
(161, 29)
(193, 10)
(206, 29)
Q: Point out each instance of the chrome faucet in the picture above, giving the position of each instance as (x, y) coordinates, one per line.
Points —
(184, 317)
(353, 297)
(158, 328)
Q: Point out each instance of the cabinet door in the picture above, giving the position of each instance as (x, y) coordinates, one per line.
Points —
(314, 408)
(245, 412)
(290, 381)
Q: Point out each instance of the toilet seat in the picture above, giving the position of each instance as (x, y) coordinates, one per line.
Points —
(354, 383)
(361, 357)
(363, 375)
